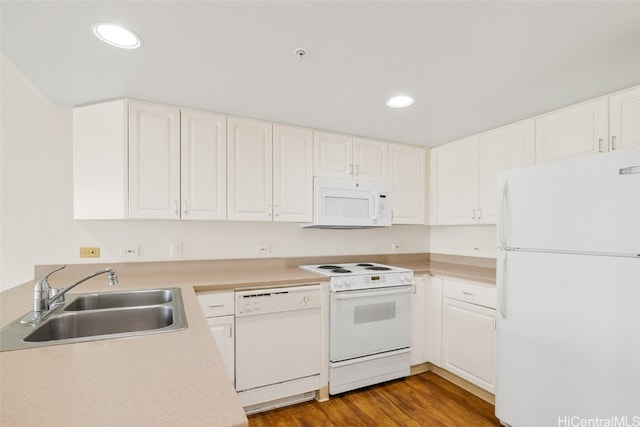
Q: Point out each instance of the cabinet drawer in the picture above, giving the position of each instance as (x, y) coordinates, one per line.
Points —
(484, 295)
(216, 303)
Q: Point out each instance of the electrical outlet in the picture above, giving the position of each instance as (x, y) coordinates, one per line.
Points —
(86, 252)
(175, 250)
(129, 251)
(396, 247)
(263, 249)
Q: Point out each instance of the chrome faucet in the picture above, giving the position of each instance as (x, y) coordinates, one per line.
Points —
(46, 298)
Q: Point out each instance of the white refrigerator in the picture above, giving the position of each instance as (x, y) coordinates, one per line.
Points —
(568, 324)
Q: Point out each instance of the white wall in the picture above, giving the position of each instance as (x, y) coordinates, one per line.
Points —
(36, 212)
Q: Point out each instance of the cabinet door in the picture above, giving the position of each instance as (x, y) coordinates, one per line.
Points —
(408, 181)
(333, 154)
(222, 330)
(505, 148)
(154, 161)
(456, 195)
(625, 119)
(249, 160)
(204, 165)
(418, 321)
(433, 321)
(370, 159)
(572, 132)
(292, 174)
(468, 342)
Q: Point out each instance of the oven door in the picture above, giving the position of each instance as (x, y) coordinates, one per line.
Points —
(369, 321)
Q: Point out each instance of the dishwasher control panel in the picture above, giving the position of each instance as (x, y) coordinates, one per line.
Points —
(273, 300)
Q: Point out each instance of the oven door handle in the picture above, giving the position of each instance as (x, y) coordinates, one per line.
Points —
(369, 293)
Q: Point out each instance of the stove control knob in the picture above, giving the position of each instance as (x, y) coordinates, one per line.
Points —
(256, 306)
(247, 308)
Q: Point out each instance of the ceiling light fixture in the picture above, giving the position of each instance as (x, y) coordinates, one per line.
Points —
(116, 35)
(400, 101)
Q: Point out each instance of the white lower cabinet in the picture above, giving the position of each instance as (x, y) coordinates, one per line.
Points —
(218, 308)
(468, 332)
(223, 333)
(418, 324)
(433, 321)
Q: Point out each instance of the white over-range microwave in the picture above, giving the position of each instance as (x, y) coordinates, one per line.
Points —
(350, 203)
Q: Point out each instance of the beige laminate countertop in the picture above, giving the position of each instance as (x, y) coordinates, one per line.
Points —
(174, 378)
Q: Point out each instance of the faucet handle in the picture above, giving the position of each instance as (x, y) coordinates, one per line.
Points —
(42, 292)
(55, 291)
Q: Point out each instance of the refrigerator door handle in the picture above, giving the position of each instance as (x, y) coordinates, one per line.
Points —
(502, 287)
(503, 215)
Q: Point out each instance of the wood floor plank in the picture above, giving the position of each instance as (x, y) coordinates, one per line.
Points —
(417, 401)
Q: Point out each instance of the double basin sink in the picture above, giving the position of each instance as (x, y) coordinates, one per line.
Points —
(99, 316)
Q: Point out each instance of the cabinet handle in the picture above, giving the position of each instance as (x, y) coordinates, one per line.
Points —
(185, 207)
(176, 208)
(277, 210)
(216, 306)
(600, 141)
(351, 169)
(479, 213)
(357, 169)
(613, 143)
(473, 214)
(230, 331)
(269, 211)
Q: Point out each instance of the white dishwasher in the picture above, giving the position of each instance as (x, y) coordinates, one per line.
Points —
(277, 346)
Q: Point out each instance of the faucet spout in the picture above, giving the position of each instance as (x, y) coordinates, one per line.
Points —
(113, 280)
(45, 297)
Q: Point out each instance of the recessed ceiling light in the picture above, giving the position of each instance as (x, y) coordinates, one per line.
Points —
(400, 101)
(116, 35)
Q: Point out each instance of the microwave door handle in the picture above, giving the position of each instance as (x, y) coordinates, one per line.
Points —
(374, 217)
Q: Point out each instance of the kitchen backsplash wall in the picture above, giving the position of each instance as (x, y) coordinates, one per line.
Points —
(36, 208)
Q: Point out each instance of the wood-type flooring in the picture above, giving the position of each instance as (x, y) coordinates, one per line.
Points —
(419, 400)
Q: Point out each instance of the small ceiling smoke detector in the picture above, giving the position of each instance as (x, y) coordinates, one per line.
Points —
(400, 101)
(300, 53)
(115, 35)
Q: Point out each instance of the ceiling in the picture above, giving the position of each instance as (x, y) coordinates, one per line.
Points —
(471, 66)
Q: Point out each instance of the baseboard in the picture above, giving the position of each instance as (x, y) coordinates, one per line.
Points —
(462, 383)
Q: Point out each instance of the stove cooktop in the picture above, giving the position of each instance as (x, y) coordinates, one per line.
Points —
(343, 269)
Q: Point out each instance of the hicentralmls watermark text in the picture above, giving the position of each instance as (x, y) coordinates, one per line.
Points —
(576, 421)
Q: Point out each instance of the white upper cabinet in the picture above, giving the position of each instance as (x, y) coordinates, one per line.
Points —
(270, 172)
(454, 169)
(575, 131)
(249, 159)
(204, 165)
(292, 174)
(154, 161)
(504, 148)
(464, 173)
(624, 119)
(343, 156)
(140, 160)
(101, 161)
(370, 159)
(333, 154)
(408, 181)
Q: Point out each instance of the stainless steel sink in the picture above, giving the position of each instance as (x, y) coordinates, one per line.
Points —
(103, 300)
(101, 316)
(102, 322)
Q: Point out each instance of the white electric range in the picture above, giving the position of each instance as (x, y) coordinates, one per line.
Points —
(370, 323)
